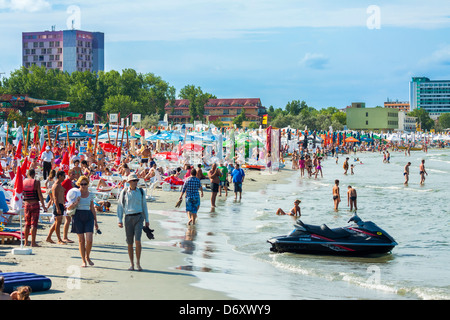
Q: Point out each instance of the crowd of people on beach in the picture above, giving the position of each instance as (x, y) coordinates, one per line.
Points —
(65, 189)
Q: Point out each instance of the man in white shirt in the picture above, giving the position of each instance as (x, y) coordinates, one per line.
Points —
(47, 161)
(132, 204)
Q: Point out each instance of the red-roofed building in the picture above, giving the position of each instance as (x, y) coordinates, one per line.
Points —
(224, 110)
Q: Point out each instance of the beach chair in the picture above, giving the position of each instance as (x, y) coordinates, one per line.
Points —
(100, 196)
(10, 237)
(166, 186)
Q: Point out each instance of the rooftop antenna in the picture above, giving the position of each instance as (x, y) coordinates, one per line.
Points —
(73, 24)
(54, 28)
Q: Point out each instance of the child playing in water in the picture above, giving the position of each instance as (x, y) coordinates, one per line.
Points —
(294, 211)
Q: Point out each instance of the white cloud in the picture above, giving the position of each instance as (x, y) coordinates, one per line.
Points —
(25, 5)
(316, 61)
(438, 59)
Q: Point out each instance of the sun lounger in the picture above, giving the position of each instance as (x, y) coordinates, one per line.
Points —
(9, 237)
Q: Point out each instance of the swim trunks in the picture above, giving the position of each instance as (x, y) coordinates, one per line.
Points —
(61, 207)
(31, 213)
(192, 205)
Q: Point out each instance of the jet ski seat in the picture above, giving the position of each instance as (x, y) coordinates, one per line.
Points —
(325, 231)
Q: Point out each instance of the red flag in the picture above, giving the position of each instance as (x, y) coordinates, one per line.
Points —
(42, 150)
(72, 149)
(24, 167)
(119, 156)
(18, 154)
(1, 169)
(65, 163)
(142, 132)
(108, 147)
(17, 200)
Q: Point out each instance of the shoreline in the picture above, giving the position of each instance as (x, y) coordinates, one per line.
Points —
(109, 278)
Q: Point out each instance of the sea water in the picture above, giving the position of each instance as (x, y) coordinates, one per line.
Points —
(228, 250)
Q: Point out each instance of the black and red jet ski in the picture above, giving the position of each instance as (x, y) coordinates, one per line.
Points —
(359, 239)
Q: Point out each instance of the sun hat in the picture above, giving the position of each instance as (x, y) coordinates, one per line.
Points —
(132, 176)
(47, 148)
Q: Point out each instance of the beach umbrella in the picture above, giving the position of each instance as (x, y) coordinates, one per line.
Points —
(192, 147)
(351, 139)
(77, 134)
(167, 155)
(108, 147)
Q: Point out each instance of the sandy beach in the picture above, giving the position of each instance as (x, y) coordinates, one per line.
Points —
(109, 277)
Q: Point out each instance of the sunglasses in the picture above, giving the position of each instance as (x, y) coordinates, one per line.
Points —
(84, 184)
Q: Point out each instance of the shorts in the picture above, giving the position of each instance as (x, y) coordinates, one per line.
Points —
(223, 183)
(61, 207)
(145, 160)
(214, 187)
(133, 227)
(335, 197)
(192, 205)
(31, 213)
(238, 187)
(83, 222)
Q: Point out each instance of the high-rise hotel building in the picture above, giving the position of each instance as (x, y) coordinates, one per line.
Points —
(67, 50)
(432, 96)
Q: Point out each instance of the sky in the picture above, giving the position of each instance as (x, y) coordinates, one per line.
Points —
(328, 53)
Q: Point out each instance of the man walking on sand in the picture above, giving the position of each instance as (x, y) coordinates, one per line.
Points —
(214, 176)
(238, 176)
(32, 195)
(133, 204)
(58, 207)
(336, 195)
(192, 188)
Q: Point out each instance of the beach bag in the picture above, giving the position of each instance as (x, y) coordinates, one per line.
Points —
(71, 197)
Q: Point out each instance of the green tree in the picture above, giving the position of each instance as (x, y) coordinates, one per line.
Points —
(197, 100)
(240, 118)
(150, 120)
(294, 107)
(444, 120)
(423, 118)
(121, 103)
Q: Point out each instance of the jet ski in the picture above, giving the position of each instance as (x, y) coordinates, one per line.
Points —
(359, 239)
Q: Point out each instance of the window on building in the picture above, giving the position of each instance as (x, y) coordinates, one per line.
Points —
(367, 114)
(367, 123)
(226, 111)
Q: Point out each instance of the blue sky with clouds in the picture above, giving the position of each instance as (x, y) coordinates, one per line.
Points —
(326, 52)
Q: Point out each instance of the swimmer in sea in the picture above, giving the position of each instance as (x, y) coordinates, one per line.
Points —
(422, 172)
(351, 198)
(336, 195)
(345, 165)
(406, 173)
(294, 211)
